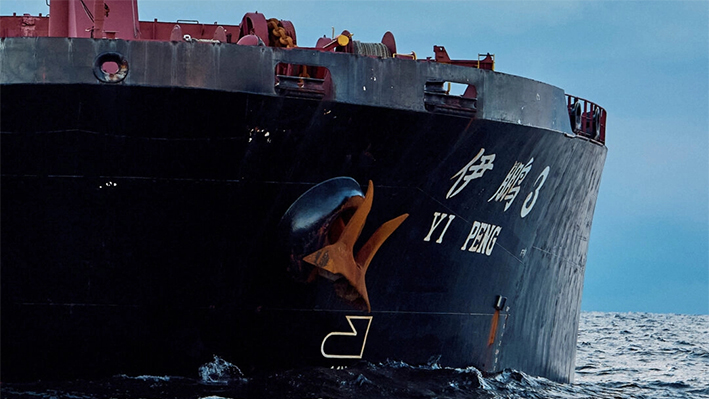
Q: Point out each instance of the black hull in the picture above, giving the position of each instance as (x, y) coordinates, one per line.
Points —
(142, 233)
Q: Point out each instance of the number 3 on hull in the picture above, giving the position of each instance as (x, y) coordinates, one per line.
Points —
(346, 342)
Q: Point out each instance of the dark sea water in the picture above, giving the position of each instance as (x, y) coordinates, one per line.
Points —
(620, 355)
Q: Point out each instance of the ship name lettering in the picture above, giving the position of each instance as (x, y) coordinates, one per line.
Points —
(482, 238)
(471, 171)
(437, 221)
(509, 188)
(532, 197)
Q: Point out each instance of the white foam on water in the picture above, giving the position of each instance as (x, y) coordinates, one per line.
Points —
(219, 371)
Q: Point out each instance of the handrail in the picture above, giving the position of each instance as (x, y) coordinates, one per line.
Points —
(587, 118)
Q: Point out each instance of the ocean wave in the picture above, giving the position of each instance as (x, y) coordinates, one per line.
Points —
(619, 356)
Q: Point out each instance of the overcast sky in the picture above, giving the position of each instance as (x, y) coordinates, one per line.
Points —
(646, 63)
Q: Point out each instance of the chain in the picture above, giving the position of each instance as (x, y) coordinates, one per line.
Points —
(278, 35)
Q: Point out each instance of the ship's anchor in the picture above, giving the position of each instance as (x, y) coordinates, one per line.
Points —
(339, 258)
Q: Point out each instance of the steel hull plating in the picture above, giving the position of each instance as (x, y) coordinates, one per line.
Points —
(143, 231)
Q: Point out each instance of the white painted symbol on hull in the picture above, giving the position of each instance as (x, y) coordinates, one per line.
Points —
(352, 333)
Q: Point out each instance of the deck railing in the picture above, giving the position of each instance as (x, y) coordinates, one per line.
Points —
(587, 118)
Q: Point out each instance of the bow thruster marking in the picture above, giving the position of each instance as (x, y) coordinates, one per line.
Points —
(339, 258)
(352, 333)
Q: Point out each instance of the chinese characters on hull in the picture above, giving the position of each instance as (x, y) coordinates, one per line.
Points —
(473, 170)
(509, 188)
(483, 236)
